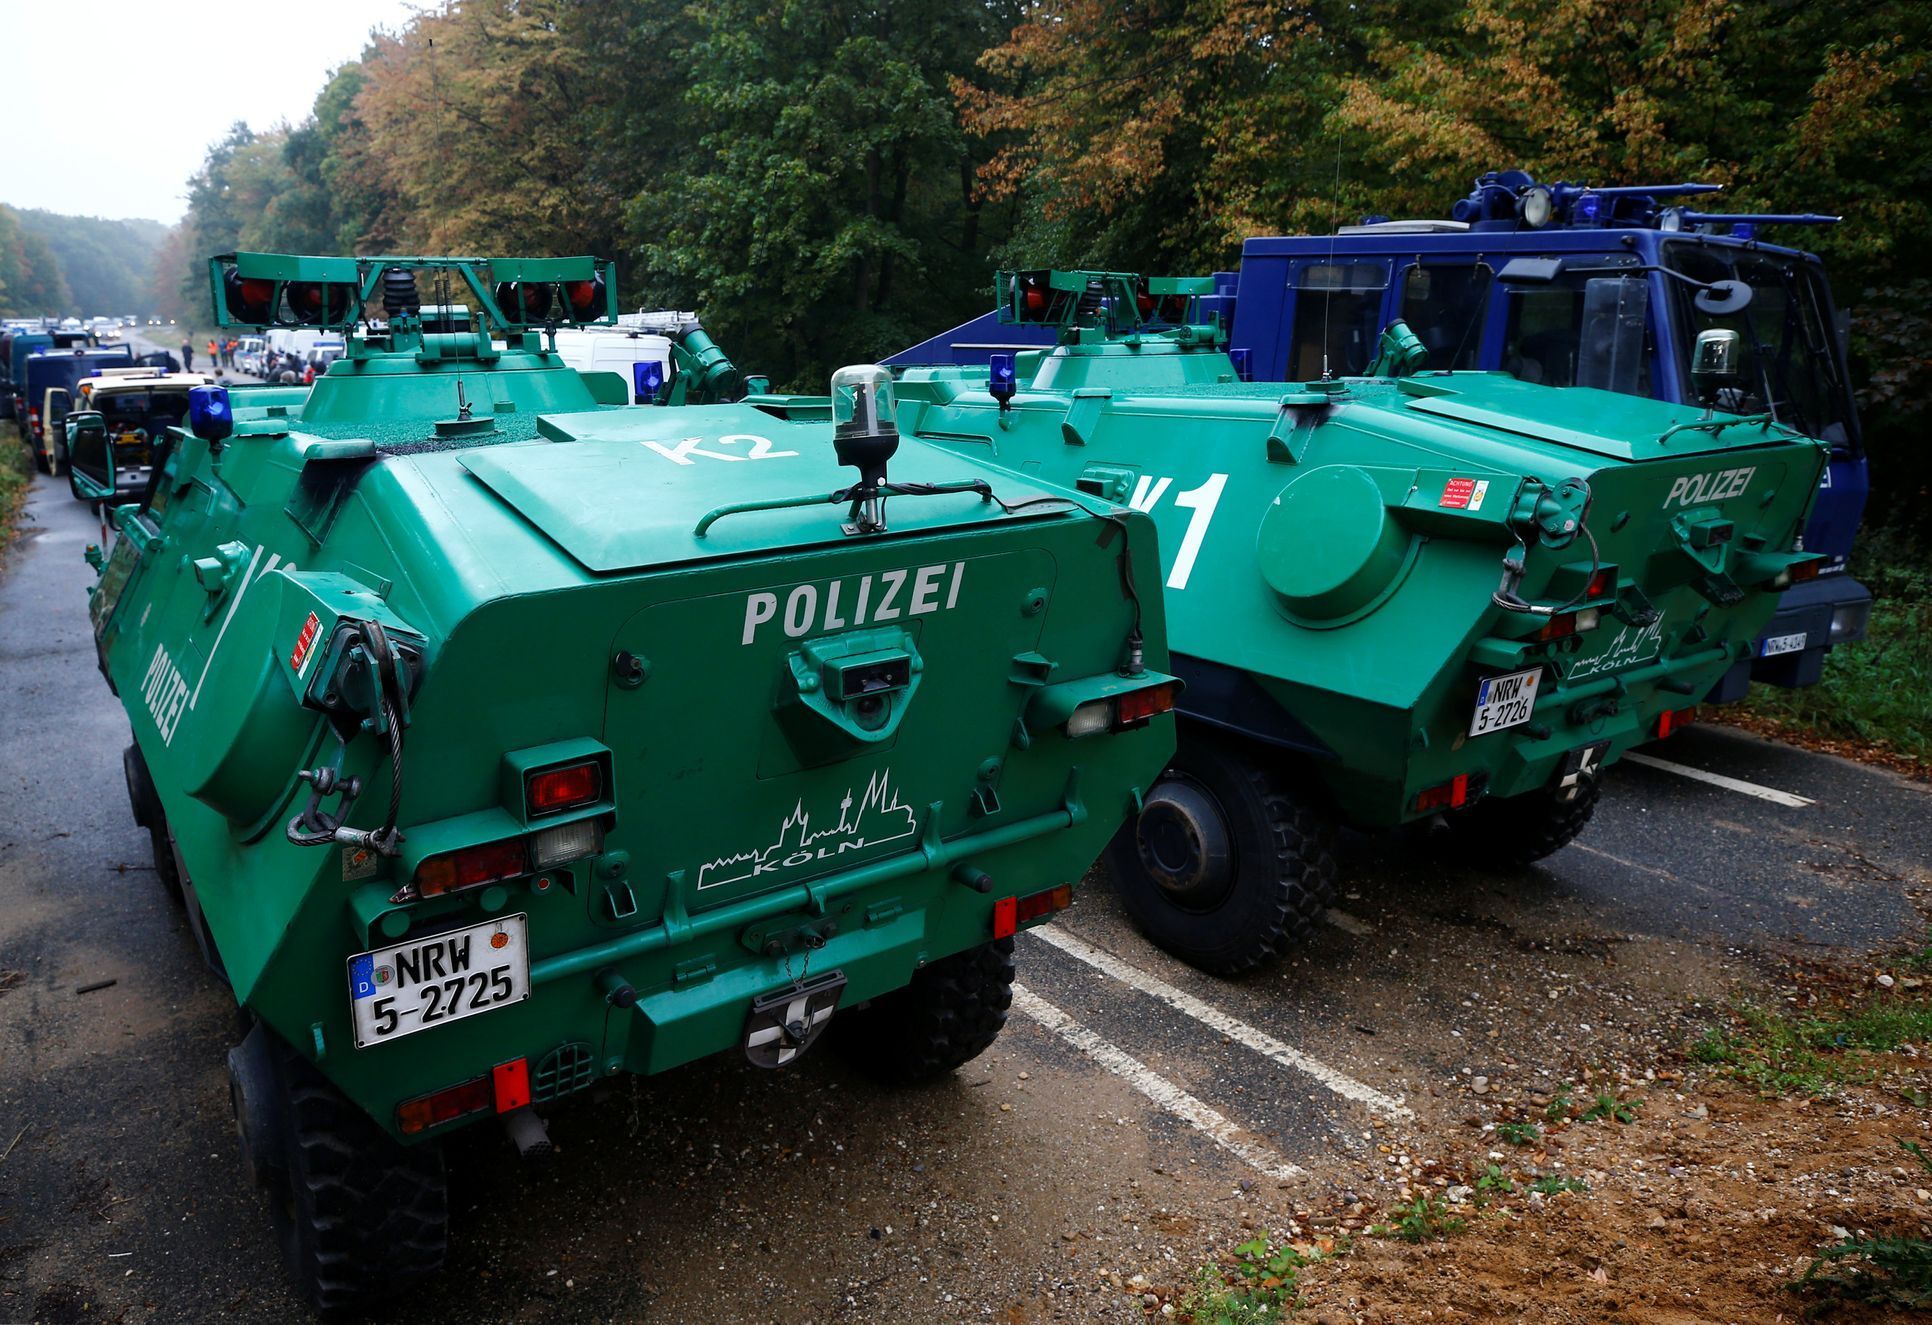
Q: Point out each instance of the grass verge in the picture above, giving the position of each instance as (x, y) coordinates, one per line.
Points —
(16, 475)
(1813, 1052)
(1884, 1271)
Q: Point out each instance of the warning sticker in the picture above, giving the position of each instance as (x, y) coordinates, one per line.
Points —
(304, 643)
(1464, 494)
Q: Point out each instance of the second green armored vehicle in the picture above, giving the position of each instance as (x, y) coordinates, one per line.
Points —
(498, 742)
(1393, 598)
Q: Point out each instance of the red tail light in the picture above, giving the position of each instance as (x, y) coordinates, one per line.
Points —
(471, 867)
(1139, 706)
(1805, 570)
(445, 1105)
(1448, 796)
(1603, 582)
(1009, 913)
(1565, 624)
(557, 789)
(1670, 722)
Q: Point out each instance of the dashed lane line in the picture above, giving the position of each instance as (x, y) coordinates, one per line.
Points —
(1206, 1119)
(1743, 788)
(1215, 1019)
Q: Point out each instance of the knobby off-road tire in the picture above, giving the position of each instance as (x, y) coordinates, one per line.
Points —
(146, 804)
(1511, 833)
(1228, 865)
(359, 1217)
(949, 1015)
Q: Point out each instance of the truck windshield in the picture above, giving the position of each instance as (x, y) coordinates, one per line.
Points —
(1790, 362)
(1586, 328)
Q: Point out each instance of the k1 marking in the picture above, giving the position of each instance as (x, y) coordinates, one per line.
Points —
(856, 600)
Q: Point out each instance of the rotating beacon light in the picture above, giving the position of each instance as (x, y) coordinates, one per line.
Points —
(865, 434)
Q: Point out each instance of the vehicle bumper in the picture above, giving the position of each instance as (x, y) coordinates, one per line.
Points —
(1827, 612)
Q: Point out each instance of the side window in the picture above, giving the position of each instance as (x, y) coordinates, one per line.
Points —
(1444, 306)
(1338, 316)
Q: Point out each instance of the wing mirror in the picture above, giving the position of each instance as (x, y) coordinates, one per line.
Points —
(90, 456)
(1714, 364)
(1721, 298)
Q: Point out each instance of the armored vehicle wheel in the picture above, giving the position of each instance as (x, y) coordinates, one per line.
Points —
(358, 1215)
(949, 1015)
(1521, 830)
(1226, 866)
(146, 804)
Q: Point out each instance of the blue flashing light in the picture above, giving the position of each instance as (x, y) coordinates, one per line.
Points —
(647, 379)
(1002, 382)
(1243, 361)
(1743, 230)
(1588, 207)
(209, 415)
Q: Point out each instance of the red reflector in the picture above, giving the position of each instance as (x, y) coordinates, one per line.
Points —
(1670, 722)
(560, 788)
(1042, 904)
(1601, 583)
(512, 1082)
(1137, 706)
(455, 870)
(1805, 570)
(1558, 627)
(1006, 917)
(445, 1105)
(1448, 796)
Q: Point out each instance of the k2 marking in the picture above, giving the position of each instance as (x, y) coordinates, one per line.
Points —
(1202, 501)
(683, 452)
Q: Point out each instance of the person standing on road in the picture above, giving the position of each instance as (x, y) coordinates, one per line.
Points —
(187, 356)
(214, 353)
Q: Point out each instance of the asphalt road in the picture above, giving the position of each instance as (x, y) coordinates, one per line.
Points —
(1134, 1114)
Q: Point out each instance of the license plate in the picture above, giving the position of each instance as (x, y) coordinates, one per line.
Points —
(423, 983)
(1504, 701)
(1776, 644)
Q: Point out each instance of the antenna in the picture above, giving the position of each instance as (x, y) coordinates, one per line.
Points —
(1328, 295)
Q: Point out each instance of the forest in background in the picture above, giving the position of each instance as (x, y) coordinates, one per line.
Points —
(826, 182)
(81, 265)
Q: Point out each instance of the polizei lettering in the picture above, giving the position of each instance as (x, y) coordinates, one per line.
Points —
(166, 694)
(1718, 485)
(856, 600)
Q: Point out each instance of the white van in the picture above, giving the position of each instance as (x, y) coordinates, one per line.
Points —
(613, 350)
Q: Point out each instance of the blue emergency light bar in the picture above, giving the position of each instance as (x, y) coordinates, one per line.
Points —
(209, 416)
(1513, 200)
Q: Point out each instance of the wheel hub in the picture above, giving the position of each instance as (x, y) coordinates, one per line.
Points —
(1185, 845)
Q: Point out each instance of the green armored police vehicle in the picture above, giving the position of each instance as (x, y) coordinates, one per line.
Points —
(1393, 598)
(499, 742)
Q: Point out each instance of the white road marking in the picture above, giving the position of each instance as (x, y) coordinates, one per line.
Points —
(1738, 785)
(1347, 923)
(1209, 1121)
(1216, 1020)
(1627, 864)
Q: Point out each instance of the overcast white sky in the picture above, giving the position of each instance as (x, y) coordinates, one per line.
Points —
(157, 81)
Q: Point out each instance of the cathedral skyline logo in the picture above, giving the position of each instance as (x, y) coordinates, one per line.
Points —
(875, 818)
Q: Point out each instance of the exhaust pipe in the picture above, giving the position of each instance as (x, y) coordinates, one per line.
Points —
(528, 1134)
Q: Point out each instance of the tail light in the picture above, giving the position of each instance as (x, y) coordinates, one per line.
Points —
(556, 789)
(1603, 582)
(1669, 722)
(1009, 913)
(1797, 573)
(1457, 792)
(504, 1088)
(1123, 712)
(472, 867)
(1565, 624)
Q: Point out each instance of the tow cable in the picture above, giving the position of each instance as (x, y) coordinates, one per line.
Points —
(369, 649)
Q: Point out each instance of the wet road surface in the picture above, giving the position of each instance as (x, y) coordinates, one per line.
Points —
(1134, 1114)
